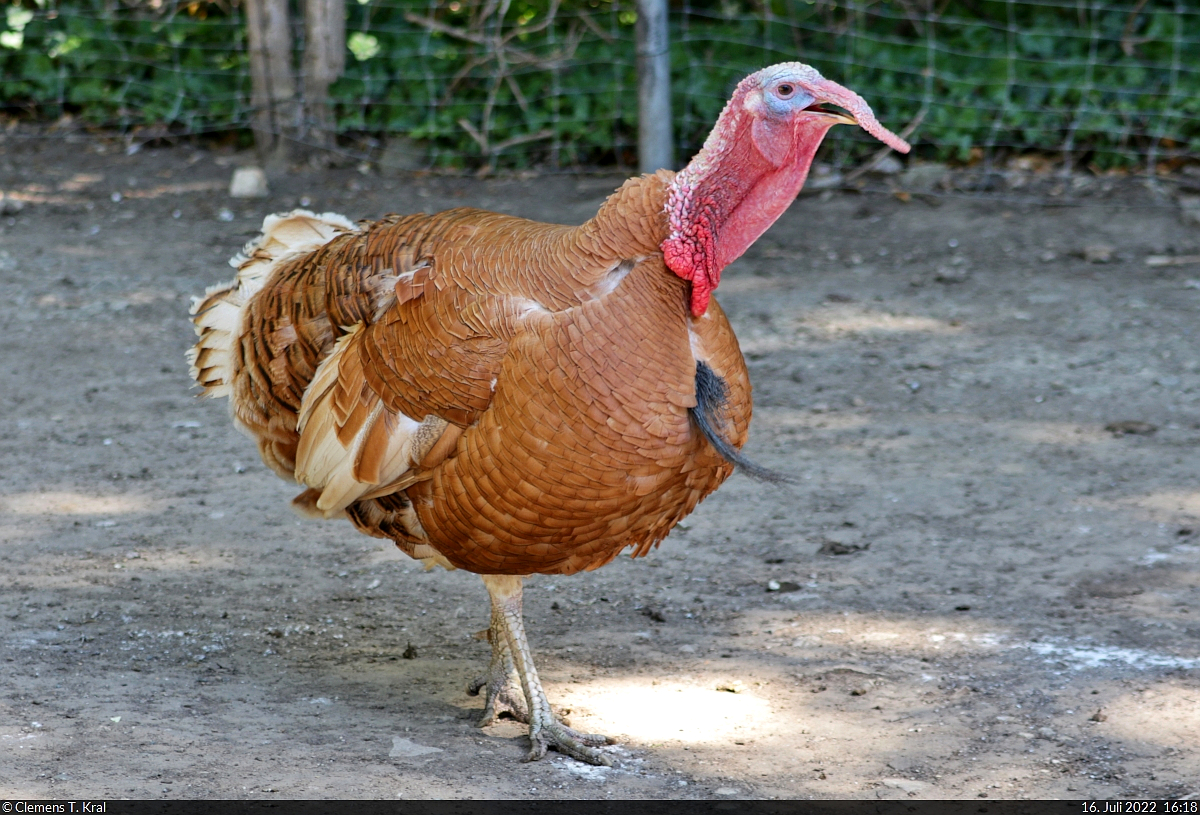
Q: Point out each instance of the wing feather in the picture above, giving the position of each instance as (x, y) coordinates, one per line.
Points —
(352, 446)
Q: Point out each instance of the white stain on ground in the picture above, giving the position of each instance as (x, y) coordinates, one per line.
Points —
(585, 771)
(1083, 656)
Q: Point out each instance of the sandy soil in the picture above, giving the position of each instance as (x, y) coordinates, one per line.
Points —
(1015, 612)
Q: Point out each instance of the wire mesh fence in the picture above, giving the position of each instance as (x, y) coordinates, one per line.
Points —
(1110, 86)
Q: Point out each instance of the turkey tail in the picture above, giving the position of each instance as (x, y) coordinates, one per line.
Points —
(711, 396)
(218, 314)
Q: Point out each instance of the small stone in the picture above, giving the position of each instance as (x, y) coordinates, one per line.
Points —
(735, 686)
(888, 165)
(924, 177)
(823, 183)
(726, 791)
(654, 614)
(10, 205)
(836, 547)
(951, 274)
(1098, 253)
(248, 182)
(1130, 428)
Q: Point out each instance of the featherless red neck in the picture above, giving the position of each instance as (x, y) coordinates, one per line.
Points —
(751, 167)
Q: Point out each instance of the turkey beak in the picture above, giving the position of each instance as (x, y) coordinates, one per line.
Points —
(858, 112)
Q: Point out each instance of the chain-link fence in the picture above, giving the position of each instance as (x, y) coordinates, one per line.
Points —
(1111, 86)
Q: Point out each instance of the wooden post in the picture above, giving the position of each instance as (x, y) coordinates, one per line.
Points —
(324, 61)
(656, 148)
(273, 88)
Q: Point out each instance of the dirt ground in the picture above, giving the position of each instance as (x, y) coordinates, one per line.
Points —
(974, 589)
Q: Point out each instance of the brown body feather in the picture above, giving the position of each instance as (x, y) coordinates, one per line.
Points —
(500, 395)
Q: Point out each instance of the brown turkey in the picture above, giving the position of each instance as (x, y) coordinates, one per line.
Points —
(511, 397)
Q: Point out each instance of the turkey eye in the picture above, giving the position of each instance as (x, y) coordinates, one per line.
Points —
(785, 91)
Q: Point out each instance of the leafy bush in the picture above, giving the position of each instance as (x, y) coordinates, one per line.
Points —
(526, 81)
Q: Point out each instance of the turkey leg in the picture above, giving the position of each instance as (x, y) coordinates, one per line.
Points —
(545, 730)
(501, 681)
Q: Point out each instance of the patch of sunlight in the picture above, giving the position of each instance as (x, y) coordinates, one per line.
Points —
(880, 636)
(1166, 505)
(80, 182)
(1163, 715)
(670, 711)
(917, 635)
(747, 283)
(142, 297)
(176, 189)
(841, 321)
(53, 572)
(71, 503)
(791, 417)
(82, 251)
(769, 344)
(914, 638)
(890, 445)
(1064, 433)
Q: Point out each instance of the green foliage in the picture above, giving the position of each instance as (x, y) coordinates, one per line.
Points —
(539, 80)
(129, 66)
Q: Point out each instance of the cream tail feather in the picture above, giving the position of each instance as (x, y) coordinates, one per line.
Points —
(218, 314)
(351, 447)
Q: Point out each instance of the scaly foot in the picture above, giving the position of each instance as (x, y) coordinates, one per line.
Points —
(504, 694)
(555, 735)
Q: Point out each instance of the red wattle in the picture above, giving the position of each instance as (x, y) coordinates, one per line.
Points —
(691, 252)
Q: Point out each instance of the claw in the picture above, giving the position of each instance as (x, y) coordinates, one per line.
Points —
(499, 701)
(579, 746)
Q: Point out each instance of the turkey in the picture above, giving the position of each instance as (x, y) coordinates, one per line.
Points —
(511, 397)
